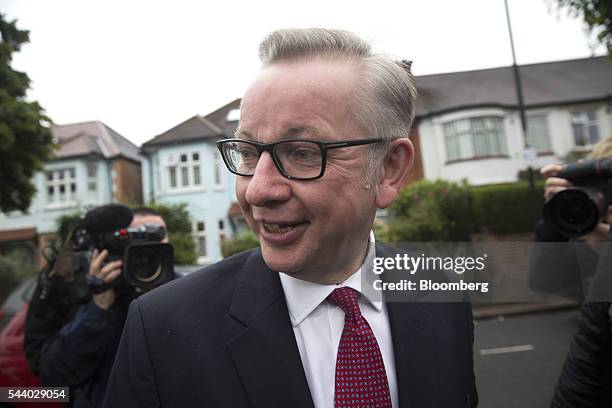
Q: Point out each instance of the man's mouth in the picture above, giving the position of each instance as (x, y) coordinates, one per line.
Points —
(281, 228)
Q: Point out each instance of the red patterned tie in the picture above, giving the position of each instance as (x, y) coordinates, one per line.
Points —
(361, 379)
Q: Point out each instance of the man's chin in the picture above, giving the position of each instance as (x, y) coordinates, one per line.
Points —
(280, 260)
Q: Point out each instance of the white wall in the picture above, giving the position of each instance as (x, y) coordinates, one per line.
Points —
(499, 170)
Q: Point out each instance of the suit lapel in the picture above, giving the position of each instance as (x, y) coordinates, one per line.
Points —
(414, 344)
(265, 352)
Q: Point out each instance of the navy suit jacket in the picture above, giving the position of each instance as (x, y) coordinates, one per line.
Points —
(222, 337)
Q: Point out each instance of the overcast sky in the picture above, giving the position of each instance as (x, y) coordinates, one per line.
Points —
(142, 67)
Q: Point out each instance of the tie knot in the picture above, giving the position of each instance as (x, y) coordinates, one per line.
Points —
(346, 299)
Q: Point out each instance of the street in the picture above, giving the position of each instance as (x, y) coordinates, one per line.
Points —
(518, 358)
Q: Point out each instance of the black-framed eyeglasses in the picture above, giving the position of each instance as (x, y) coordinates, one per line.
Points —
(296, 159)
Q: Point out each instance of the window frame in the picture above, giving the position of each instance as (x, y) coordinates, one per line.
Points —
(68, 180)
(183, 174)
(463, 135)
(589, 123)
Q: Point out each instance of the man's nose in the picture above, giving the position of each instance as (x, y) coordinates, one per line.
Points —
(267, 185)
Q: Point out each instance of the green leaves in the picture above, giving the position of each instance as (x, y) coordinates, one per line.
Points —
(442, 211)
(597, 15)
(242, 242)
(432, 211)
(25, 140)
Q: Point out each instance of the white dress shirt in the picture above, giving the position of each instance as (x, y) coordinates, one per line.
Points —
(318, 326)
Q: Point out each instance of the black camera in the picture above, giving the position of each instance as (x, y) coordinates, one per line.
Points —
(577, 210)
(147, 262)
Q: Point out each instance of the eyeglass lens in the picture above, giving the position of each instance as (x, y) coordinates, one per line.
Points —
(301, 159)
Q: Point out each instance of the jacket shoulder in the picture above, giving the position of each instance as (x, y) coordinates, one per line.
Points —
(211, 285)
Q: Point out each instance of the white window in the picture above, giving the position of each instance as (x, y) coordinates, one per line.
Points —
(584, 125)
(200, 238)
(61, 186)
(184, 170)
(537, 133)
(217, 169)
(92, 181)
(475, 138)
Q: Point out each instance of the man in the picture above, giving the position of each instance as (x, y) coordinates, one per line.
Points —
(322, 143)
(80, 352)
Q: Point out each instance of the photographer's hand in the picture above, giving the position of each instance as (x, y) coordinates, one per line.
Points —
(107, 273)
(553, 184)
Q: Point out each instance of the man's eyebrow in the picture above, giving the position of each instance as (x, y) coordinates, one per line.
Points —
(300, 131)
(291, 132)
(243, 134)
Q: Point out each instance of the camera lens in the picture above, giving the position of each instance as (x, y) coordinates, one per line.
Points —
(145, 265)
(575, 211)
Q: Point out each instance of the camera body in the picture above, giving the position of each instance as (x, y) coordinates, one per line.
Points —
(147, 262)
(576, 211)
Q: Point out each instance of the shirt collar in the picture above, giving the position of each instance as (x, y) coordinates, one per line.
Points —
(303, 296)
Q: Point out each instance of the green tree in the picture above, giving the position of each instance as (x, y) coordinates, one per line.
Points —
(25, 139)
(597, 15)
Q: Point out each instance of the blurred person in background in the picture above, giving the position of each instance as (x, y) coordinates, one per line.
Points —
(75, 346)
(586, 378)
(570, 270)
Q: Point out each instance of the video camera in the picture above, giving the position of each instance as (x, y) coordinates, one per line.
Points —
(147, 262)
(577, 210)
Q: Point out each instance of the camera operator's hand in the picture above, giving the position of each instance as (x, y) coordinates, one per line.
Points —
(107, 273)
(553, 184)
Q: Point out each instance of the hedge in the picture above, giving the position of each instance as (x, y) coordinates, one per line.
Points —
(507, 208)
(242, 242)
(440, 210)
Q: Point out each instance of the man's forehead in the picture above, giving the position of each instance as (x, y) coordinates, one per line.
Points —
(311, 99)
(147, 219)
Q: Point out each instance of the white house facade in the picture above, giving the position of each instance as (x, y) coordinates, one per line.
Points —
(183, 165)
(469, 127)
(93, 165)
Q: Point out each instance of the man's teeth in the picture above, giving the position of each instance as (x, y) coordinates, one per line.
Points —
(278, 227)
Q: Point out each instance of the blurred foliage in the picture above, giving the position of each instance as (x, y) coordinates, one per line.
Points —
(242, 242)
(574, 155)
(431, 211)
(443, 211)
(65, 224)
(25, 139)
(381, 231)
(178, 221)
(507, 208)
(597, 16)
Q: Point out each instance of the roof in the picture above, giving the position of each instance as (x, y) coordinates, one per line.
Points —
(544, 84)
(92, 138)
(194, 128)
(220, 117)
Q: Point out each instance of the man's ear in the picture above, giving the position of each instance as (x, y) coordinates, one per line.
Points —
(396, 166)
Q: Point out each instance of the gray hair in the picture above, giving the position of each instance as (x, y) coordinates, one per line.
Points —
(385, 99)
